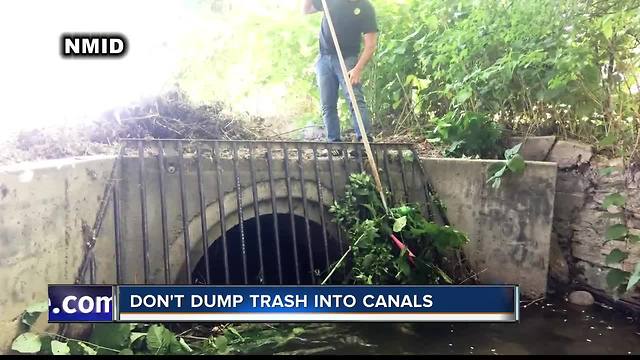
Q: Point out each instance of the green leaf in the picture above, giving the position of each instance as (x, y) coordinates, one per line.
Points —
(510, 153)
(33, 312)
(136, 335)
(41, 307)
(634, 279)
(221, 343)
(111, 336)
(157, 338)
(608, 140)
(87, 349)
(613, 200)
(27, 343)
(634, 239)
(234, 332)
(126, 352)
(616, 256)
(616, 232)
(400, 224)
(616, 277)
(517, 164)
(60, 348)
(403, 265)
(497, 183)
(298, 331)
(368, 259)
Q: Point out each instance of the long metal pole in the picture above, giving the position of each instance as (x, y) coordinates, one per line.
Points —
(354, 105)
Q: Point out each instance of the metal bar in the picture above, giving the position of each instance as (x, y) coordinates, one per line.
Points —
(262, 142)
(427, 199)
(345, 158)
(240, 213)
(332, 174)
(428, 187)
(256, 209)
(203, 214)
(404, 174)
(143, 209)
(321, 204)
(223, 227)
(359, 157)
(306, 214)
(274, 210)
(163, 215)
(183, 205)
(117, 226)
(291, 214)
(385, 156)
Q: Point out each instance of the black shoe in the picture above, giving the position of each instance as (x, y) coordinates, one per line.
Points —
(355, 154)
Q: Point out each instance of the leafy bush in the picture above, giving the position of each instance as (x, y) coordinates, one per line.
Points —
(564, 67)
(371, 229)
(469, 134)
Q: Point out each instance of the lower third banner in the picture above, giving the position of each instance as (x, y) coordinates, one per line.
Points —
(318, 304)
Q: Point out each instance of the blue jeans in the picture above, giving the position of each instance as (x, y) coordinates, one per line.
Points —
(330, 79)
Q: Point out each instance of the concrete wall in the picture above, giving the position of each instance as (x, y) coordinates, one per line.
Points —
(509, 228)
(43, 207)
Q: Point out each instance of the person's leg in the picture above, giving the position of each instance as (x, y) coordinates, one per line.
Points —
(328, 84)
(351, 62)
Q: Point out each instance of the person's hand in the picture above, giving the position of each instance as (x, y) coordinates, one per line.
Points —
(355, 76)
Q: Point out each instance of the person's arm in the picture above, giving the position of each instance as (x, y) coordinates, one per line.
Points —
(309, 8)
(370, 44)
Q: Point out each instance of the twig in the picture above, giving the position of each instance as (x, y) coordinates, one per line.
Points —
(150, 116)
(472, 276)
(342, 260)
(533, 302)
(80, 341)
(292, 131)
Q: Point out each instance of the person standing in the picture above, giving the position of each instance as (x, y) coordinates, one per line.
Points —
(354, 22)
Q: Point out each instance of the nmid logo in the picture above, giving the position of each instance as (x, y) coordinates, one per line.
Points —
(93, 45)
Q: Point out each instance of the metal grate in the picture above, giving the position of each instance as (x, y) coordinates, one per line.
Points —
(167, 196)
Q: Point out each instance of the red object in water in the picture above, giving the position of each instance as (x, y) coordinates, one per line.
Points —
(401, 246)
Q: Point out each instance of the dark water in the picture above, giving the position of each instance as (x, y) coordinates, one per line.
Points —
(545, 328)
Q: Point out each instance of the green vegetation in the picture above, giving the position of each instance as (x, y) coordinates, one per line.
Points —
(567, 67)
(625, 241)
(515, 164)
(155, 339)
(376, 260)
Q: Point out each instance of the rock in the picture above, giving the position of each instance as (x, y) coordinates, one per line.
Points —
(536, 148)
(581, 298)
(570, 182)
(568, 154)
(567, 205)
(558, 266)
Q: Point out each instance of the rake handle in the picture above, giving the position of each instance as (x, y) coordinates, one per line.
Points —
(354, 105)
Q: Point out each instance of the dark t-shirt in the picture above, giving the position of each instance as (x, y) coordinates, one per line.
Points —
(351, 19)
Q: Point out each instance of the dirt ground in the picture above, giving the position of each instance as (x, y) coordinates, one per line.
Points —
(170, 116)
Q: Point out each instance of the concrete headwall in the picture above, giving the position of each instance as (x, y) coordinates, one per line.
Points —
(43, 207)
(42, 210)
(509, 228)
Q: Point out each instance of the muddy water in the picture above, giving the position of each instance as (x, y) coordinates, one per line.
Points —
(545, 328)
